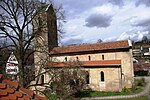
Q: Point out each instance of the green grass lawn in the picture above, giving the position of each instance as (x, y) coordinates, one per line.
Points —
(138, 87)
(99, 93)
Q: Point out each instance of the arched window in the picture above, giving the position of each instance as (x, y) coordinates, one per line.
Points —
(102, 76)
(65, 58)
(89, 58)
(77, 58)
(87, 77)
(102, 57)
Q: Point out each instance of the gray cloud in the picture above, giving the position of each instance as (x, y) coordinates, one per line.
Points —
(75, 7)
(145, 22)
(145, 2)
(72, 41)
(98, 20)
(116, 2)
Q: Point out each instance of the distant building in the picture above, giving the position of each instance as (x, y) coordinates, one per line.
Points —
(109, 64)
(146, 50)
(141, 54)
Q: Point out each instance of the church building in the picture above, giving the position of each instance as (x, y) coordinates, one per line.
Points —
(109, 64)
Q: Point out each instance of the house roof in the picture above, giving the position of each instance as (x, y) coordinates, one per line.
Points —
(141, 66)
(10, 90)
(88, 63)
(146, 46)
(91, 47)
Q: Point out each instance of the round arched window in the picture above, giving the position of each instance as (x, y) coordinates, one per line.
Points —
(102, 76)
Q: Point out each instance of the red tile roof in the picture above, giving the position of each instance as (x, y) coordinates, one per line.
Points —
(146, 46)
(91, 47)
(139, 67)
(10, 90)
(88, 63)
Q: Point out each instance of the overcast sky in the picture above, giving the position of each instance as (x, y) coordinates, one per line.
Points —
(109, 20)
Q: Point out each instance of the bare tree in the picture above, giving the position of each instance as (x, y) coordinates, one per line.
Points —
(16, 17)
(3, 58)
(67, 80)
(99, 41)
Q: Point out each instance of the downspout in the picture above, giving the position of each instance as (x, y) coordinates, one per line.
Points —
(121, 78)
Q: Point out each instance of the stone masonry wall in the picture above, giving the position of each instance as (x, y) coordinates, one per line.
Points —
(113, 81)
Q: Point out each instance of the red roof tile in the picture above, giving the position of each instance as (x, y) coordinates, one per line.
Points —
(88, 63)
(3, 92)
(9, 90)
(13, 84)
(12, 91)
(2, 86)
(91, 47)
(11, 97)
(4, 98)
(30, 92)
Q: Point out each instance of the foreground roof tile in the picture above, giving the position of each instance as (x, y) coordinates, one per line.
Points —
(3, 92)
(30, 92)
(10, 90)
(12, 97)
(11, 83)
(2, 86)
(4, 98)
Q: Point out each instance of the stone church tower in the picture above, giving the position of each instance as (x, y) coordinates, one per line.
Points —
(45, 30)
(52, 28)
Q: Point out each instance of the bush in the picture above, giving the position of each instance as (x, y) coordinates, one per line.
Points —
(141, 73)
(138, 85)
(50, 95)
(126, 89)
(141, 82)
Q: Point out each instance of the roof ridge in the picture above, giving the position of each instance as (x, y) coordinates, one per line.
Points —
(91, 43)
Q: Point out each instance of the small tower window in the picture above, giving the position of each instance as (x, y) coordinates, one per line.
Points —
(89, 58)
(77, 58)
(87, 77)
(39, 21)
(102, 57)
(42, 79)
(102, 76)
(65, 58)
